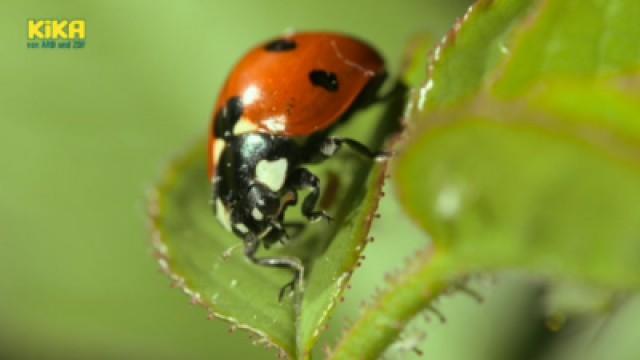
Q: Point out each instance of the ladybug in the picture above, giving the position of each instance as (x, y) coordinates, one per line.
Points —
(273, 116)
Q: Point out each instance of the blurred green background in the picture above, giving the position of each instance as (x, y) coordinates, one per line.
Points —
(85, 132)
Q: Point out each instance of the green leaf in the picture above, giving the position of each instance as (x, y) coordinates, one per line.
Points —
(525, 142)
(195, 250)
(521, 152)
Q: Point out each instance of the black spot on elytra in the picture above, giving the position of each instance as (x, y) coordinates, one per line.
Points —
(280, 45)
(324, 79)
(227, 118)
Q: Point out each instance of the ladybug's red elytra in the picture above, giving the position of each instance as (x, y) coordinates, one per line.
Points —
(274, 115)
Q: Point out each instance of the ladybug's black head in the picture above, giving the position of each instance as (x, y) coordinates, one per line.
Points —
(253, 172)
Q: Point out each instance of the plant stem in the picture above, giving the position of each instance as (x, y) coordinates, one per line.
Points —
(427, 276)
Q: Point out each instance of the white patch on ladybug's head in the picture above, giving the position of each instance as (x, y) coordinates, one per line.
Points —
(223, 215)
(242, 228)
(257, 214)
(216, 147)
(244, 125)
(272, 173)
(276, 124)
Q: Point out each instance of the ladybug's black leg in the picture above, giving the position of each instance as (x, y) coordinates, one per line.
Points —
(283, 236)
(294, 228)
(251, 244)
(277, 233)
(291, 199)
(371, 94)
(300, 179)
(331, 145)
(399, 89)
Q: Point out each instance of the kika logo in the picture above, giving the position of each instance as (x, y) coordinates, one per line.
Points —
(56, 33)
